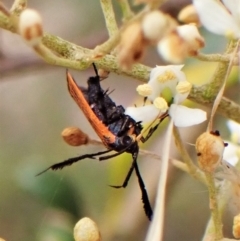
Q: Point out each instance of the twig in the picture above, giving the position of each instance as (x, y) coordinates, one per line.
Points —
(194, 171)
(109, 16)
(220, 92)
(213, 203)
(217, 58)
(18, 6)
(4, 10)
(126, 10)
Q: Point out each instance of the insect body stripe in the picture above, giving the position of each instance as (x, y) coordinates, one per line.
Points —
(102, 131)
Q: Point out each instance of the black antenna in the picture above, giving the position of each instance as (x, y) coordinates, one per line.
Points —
(95, 69)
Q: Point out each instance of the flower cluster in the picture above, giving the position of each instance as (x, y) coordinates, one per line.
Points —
(174, 43)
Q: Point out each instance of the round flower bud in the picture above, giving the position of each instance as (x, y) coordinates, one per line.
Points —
(86, 230)
(144, 90)
(74, 136)
(236, 226)
(209, 147)
(30, 26)
(161, 104)
(156, 24)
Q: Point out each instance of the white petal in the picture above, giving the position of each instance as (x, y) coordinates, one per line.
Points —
(215, 17)
(229, 172)
(234, 7)
(183, 116)
(145, 113)
(230, 154)
(234, 128)
(179, 98)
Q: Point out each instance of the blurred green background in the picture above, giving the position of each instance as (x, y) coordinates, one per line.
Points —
(35, 107)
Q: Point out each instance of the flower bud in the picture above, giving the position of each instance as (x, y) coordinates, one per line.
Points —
(132, 46)
(157, 24)
(86, 230)
(189, 15)
(189, 33)
(144, 90)
(30, 26)
(74, 136)
(209, 147)
(236, 226)
(180, 44)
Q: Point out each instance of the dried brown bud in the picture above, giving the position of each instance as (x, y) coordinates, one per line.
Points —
(132, 45)
(236, 226)
(103, 74)
(74, 136)
(189, 15)
(30, 27)
(209, 147)
(86, 230)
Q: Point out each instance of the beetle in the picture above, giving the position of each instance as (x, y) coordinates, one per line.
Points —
(117, 131)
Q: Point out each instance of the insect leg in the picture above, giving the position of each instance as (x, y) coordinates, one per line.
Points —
(145, 200)
(152, 129)
(146, 203)
(125, 183)
(72, 160)
(150, 132)
(102, 158)
(95, 69)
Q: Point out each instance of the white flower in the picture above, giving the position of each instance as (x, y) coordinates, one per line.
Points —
(173, 78)
(220, 19)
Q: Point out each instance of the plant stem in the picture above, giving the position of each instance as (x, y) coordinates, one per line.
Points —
(109, 16)
(126, 10)
(194, 171)
(213, 205)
